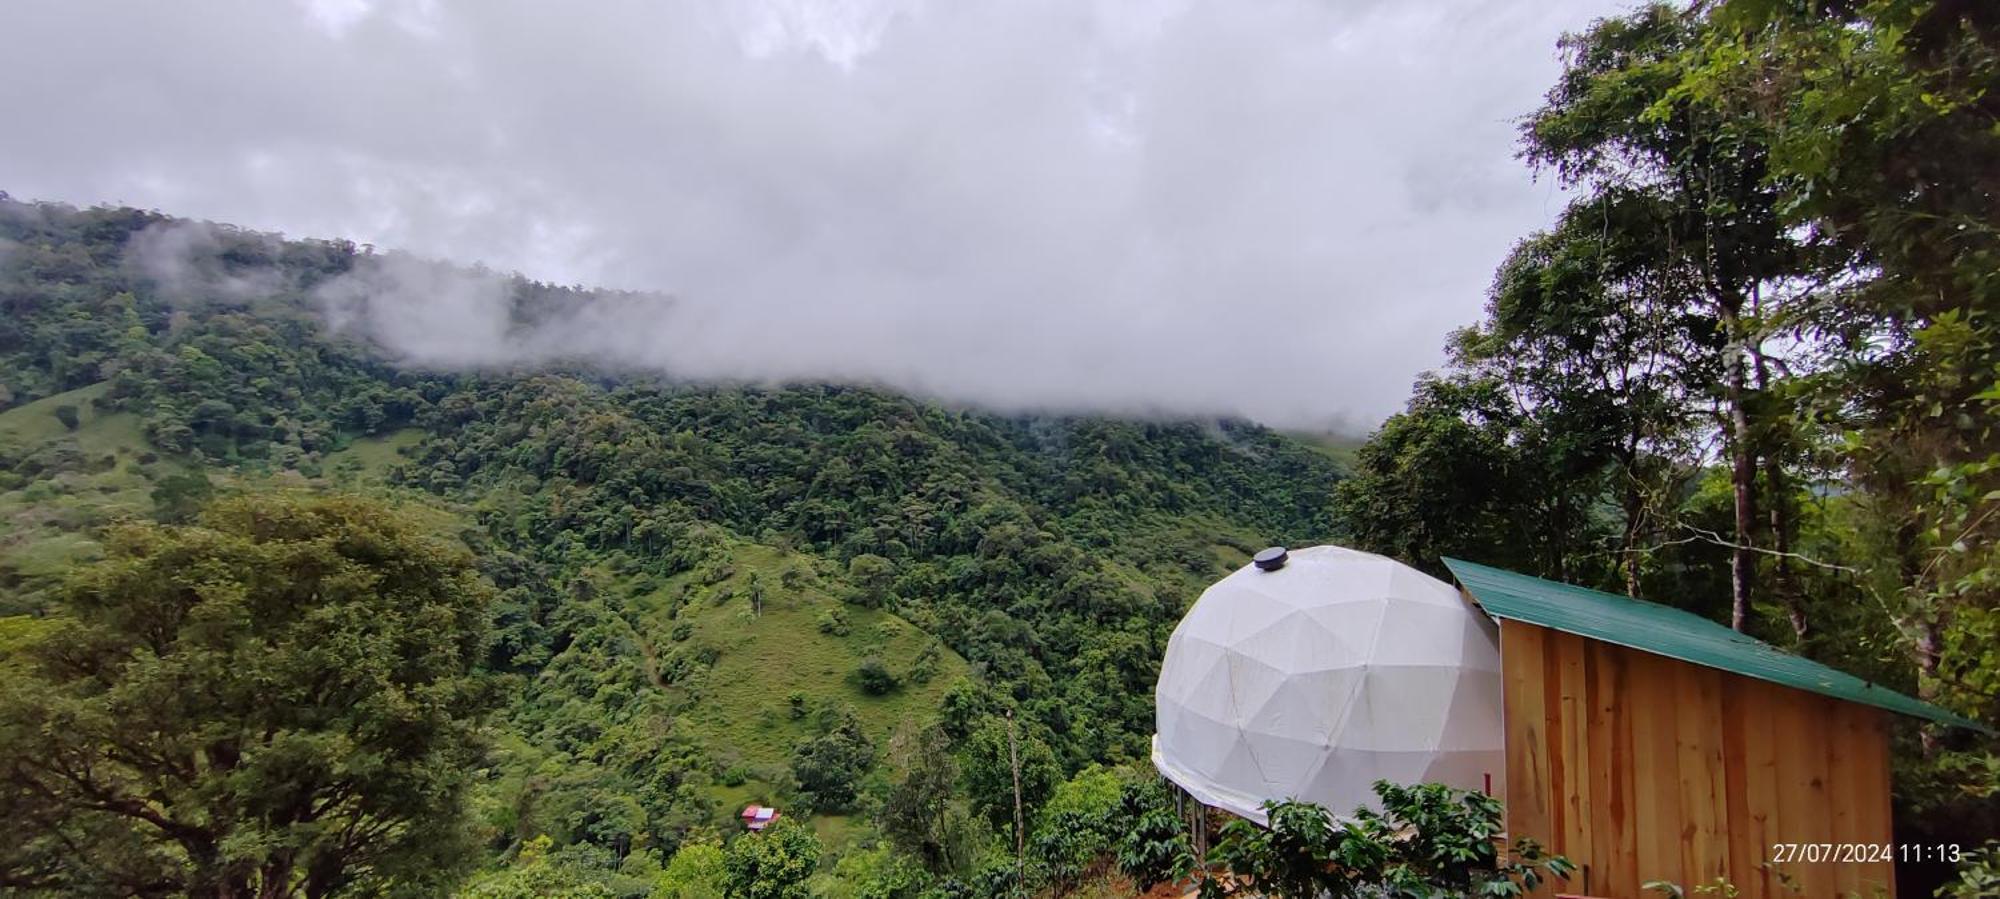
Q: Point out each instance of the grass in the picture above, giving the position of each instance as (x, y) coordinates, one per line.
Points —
(744, 709)
(1343, 449)
(107, 473)
(367, 460)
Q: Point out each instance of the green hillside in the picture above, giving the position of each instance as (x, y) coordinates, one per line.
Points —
(62, 482)
(805, 596)
(704, 596)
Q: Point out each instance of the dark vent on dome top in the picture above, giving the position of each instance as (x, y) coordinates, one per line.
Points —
(1271, 559)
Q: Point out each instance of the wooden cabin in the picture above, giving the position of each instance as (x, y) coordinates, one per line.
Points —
(1646, 743)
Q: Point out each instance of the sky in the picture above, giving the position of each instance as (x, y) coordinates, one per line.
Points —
(1268, 208)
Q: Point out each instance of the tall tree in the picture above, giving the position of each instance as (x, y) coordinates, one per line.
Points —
(1881, 118)
(1615, 121)
(917, 815)
(1602, 359)
(279, 701)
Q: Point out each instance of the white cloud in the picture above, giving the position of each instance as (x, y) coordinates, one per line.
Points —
(1274, 208)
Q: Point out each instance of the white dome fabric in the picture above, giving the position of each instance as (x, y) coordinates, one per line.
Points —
(1317, 679)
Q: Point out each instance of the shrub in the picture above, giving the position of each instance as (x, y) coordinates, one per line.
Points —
(875, 678)
(1155, 846)
(1428, 839)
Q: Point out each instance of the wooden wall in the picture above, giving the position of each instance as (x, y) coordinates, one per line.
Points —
(1639, 767)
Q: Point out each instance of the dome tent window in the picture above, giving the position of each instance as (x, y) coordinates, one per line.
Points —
(1318, 675)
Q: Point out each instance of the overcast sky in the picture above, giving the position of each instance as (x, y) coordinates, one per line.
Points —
(1274, 208)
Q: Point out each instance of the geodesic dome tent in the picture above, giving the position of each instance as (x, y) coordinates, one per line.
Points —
(1325, 673)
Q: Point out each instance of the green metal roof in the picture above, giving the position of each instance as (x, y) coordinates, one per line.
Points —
(1670, 632)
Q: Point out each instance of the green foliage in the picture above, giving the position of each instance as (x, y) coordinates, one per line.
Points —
(828, 768)
(66, 414)
(918, 815)
(281, 698)
(874, 677)
(874, 874)
(178, 498)
(989, 773)
(1154, 844)
(1720, 887)
(1753, 367)
(534, 875)
(1093, 794)
(773, 864)
(698, 870)
(1428, 841)
(1978, 876)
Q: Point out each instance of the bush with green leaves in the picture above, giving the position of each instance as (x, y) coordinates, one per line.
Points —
(877, 873)
(1429, 841)
(875, 678)
(696, 871)
(535, 875)
(1978, 875)
(828, 768)
(775, 863)
(1154, 843)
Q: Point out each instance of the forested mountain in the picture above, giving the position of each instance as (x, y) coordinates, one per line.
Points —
(705, 595)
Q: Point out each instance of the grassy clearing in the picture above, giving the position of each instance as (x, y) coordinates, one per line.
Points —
(98, 472)
(367, 460)
(744, 713)
(1343, 449)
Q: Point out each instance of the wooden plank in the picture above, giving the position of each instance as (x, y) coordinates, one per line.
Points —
(1864, 789)
(1737, 710)
(1877, 810)
(1841, 791)
(1656, 792)
(1610, 725)
(1803, 810)
(1524, 718)
(1698, 747)
(1573, 710)
(1552, 736)
(1760, 779)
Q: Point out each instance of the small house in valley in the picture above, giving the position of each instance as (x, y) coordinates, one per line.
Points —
(758, 817)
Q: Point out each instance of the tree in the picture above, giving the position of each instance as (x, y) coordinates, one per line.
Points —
(872, 577)
(829, 767)
(989, 774)
(697, 871)
(917, 814)
(178, 498)
(774, 863)
(67, 414)
(876, 873)
(534, 875)
(1616, 125)
(875, 678)
(1880, 118)
(1443, 478)
(280, 701)
(1605, 367)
